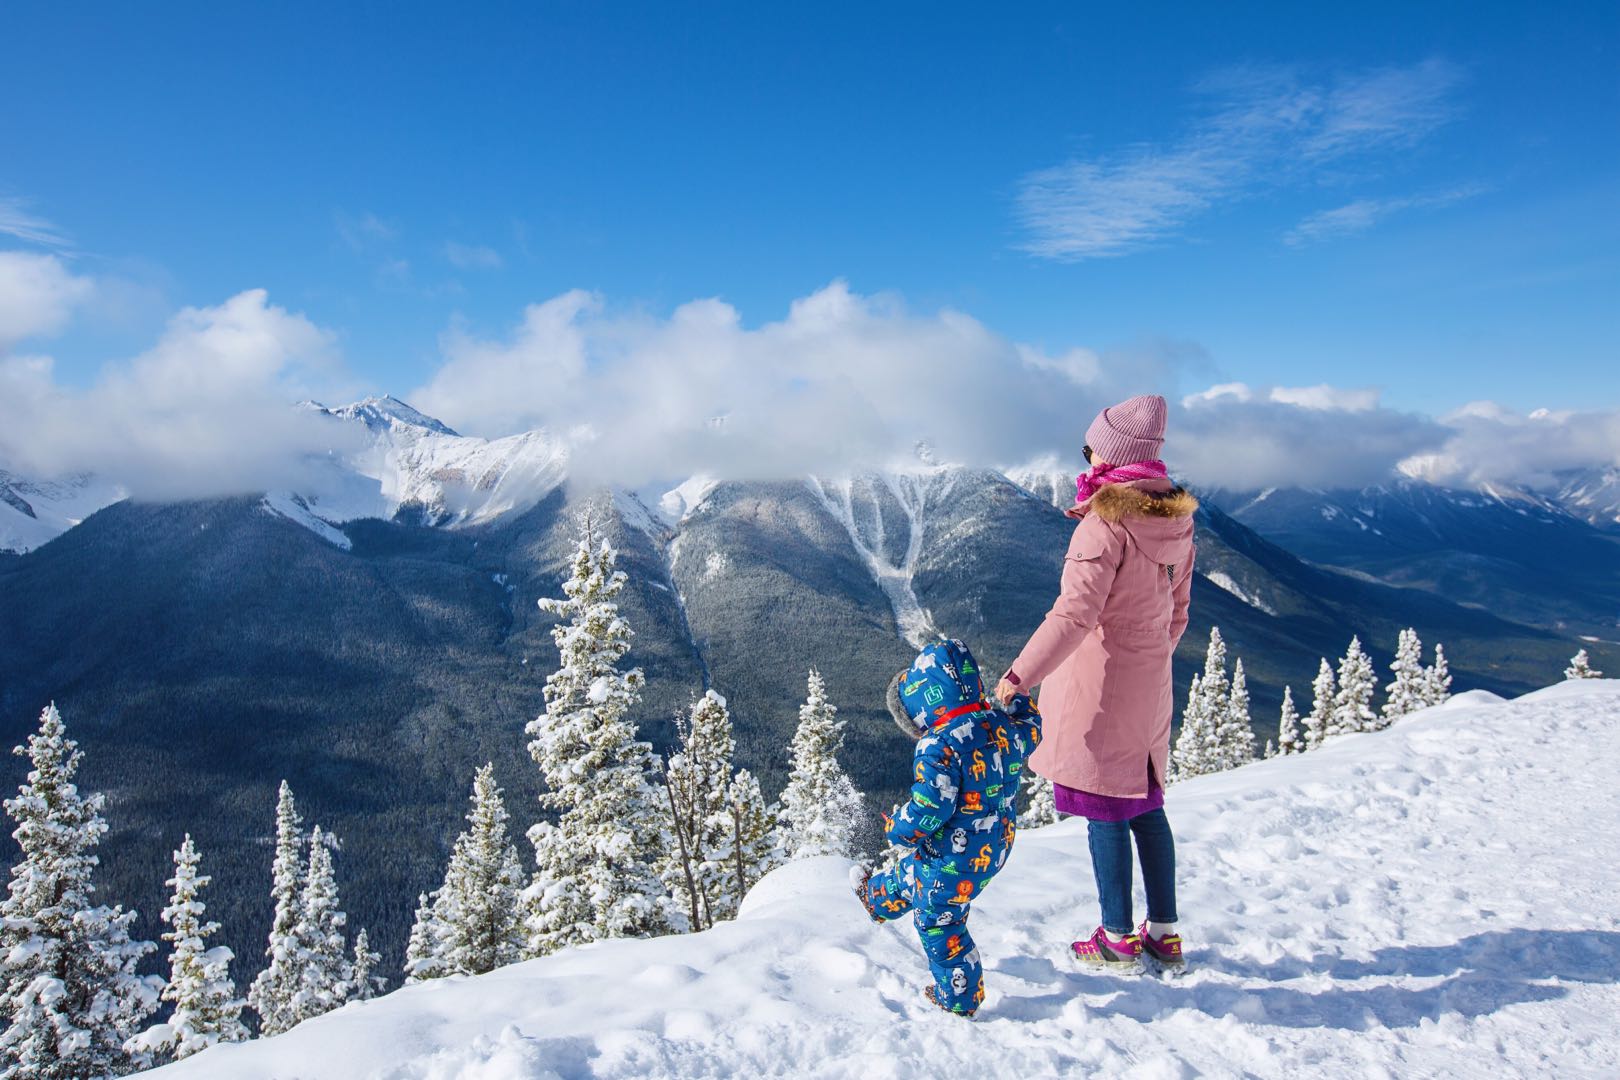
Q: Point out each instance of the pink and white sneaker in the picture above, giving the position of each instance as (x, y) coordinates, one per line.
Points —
(1162, 952)
(1102, 952)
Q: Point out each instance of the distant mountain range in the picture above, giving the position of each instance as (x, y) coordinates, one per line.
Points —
(374, 638)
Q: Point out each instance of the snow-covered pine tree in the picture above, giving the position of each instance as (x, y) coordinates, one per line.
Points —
(320, 957)
(1405, 692)
(1437, 679)
(424, 954)
(750, 850)
(697, 775)
(1289, 739)
(1580, 667)
(820, 805)
(1235, 729)
(1197, 750)
(1319, 721)
(206, 1008)
(595, 875)
(1216, 687)
(1040, 801)
(363, 985)
(69, 996)
(272, 992)
(475, 912)
(1270, 750)
(1352, 705)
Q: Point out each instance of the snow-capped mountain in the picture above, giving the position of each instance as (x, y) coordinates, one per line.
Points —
(419, 467)
(33, 512)
(1593, 494)
(1519, 554)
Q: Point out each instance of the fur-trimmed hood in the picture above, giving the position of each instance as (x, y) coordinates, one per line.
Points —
(1116, 501)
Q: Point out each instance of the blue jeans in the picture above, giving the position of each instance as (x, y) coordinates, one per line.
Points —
(1111, 863)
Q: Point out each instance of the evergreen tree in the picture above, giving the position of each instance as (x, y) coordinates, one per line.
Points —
(595, 875)
(1198, 750)
(1236, 729)
(1319, 722)
(1208, 741)
(69, 996)
(272, 992)
(363, 985)
(697, 777)
(1437, 679)
(750, 850)
(1270, 750)
(820, 805)
(1289, 739)
(206, 1008)
(1580, 667)
(320, 958)
(1216, 688)
(475, 912)
(1405, 694)
(424, 954)
(1352, 705)
(1040, 801)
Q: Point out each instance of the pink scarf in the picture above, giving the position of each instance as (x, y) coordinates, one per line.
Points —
(1088, 484)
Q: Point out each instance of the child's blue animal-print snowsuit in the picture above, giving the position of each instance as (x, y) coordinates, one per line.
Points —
(962, 815)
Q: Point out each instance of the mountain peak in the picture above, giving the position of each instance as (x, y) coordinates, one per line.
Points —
(381, 413)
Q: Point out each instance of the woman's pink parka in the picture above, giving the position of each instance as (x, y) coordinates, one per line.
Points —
(1102, 655)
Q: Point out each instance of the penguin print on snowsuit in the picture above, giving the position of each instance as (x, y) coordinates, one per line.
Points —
(961, 818)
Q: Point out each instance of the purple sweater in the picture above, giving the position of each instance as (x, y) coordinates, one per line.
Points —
(1107, 807)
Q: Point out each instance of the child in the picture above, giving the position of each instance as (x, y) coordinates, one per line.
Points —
(962, 815)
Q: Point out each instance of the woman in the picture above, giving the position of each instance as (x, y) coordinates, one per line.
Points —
(1102, 659)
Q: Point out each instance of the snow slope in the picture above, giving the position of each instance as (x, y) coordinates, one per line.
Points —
(33, 512)
(1405, 903)
(885, 514)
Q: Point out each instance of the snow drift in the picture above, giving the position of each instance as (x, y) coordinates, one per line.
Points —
(1436, 899)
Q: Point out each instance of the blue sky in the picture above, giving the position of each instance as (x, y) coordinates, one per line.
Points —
(1419, 198)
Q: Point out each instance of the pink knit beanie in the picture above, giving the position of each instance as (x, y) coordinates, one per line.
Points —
(1129, 432)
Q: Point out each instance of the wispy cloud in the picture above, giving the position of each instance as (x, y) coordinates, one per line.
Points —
(19, 223)
(473, 256)
(364, 231)
(1360, 215)
(1259, 128)
(1386, 108)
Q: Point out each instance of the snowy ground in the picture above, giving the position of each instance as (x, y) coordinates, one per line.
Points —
(1434, 900)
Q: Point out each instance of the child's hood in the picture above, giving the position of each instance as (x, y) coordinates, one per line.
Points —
(942, 679)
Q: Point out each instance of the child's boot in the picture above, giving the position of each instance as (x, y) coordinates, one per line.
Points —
(859, 880)
(1102, 952)
(933, 999)
(1164, 951)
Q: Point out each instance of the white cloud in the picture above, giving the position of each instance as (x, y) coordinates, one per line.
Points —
(18, 222)
(364, 231)
(1360, 215)
(1242, 438)
(37, 295)
(207, 410)
(1392, 107)
(1326, 398)
(1249, 445)
(1490, 442)
(472, 256)
(843, 380)
(1265, 127)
